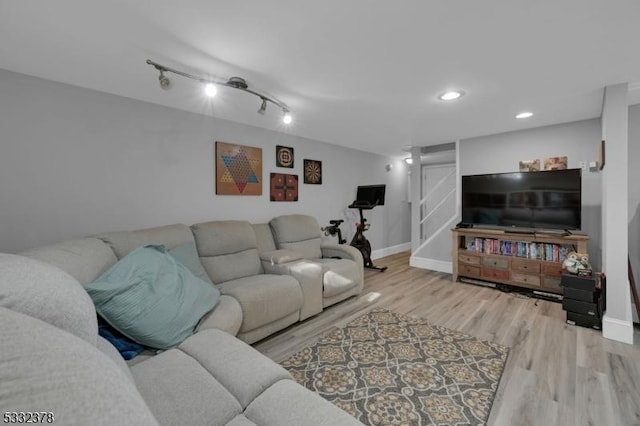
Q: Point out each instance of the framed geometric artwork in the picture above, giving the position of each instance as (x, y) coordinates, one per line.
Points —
(313, 172)
(284, 156)
(238, 169)
(529, 165)
(284, 187)
(555, 163)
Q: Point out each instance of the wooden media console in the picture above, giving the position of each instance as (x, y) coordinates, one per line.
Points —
(530, 259)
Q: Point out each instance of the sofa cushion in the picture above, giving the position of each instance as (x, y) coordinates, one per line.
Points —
(240, 420)
(305, 408)
(264, 237)
(151, 298)
(45, 292)
(338, 276)
(44, 368)
(180, 391)
(104, 346)
(241, 369)
(85, 259)
(299, 233)
(227, 316)
(187, 254)
(124, 242)
(228, 249)
(264, 298)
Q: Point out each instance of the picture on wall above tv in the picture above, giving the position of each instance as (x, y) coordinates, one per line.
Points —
(540, 200)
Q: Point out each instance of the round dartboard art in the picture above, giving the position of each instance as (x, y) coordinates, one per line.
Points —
(313, 172)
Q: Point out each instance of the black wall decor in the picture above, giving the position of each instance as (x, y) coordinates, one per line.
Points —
(284, 156)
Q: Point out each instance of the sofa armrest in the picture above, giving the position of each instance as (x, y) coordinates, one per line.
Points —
(343, 251)
(278, 257)
(309, 276)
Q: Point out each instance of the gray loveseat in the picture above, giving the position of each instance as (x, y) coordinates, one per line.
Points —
(53, 359)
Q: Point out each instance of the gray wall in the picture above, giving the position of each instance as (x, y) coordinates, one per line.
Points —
(579, 141)
(75, 162)
(634, 192)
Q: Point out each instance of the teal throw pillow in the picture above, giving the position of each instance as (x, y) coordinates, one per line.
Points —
(151, 298)
(187, 254)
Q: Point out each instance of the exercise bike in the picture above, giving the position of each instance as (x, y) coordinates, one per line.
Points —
(334, 229)
(358, 241)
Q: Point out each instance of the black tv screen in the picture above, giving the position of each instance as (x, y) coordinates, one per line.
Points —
(373, 194)
(540, 200)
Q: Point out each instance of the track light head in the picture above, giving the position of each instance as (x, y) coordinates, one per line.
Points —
(263, 107)
(286, 118)
(237, 82)
(210, 89)
(165, 83)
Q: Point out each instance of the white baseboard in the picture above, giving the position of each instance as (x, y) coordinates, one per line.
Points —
(388, 251)
(432, 264)
(615, 329)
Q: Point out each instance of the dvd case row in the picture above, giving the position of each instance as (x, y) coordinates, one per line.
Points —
(538, 251)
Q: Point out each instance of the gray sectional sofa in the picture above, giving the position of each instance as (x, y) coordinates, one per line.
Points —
(269, 276)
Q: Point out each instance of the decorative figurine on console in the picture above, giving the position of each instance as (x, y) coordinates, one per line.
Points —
(577, 264)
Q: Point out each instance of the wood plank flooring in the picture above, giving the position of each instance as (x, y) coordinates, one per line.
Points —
(556, 374)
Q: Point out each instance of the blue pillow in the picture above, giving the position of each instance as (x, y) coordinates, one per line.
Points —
(187, 254)
(151, 298)
(128, 348)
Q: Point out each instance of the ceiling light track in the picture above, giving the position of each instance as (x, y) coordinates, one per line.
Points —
(210, 84)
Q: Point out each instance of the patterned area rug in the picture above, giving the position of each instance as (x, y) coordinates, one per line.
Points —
(386, 368)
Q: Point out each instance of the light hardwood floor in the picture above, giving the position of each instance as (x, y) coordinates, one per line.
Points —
(556, 374)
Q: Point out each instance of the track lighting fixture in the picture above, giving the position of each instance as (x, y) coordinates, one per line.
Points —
(211, 89)
(165, 83)
(263, 107)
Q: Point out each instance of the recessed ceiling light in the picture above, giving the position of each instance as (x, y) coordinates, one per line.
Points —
(450, 96)
(525, 114)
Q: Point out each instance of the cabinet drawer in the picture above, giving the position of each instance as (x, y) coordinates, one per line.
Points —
(524, 266)
(553, 269)
(469, 258)
(551, 282)
(500, 274)
(468, 270)
(528, 279)
(495, 262)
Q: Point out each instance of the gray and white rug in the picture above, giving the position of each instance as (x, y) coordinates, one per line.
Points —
(386, 368)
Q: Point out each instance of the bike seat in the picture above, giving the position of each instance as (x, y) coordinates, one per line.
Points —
(336, 222)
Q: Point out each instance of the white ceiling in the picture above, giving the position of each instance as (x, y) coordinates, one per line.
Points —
(358, 73)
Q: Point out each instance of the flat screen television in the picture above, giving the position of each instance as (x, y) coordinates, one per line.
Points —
(539, 200)
(373, 194)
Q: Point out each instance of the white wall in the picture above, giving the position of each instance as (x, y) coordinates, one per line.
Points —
(617, 320)
(634, 192)
(75, 162)
(579, 141)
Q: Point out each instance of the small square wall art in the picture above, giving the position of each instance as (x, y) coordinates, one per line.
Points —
(530, 165)
(313, 172)
(238, 169)
(284, 156)
(555, 163)
(284, 187)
